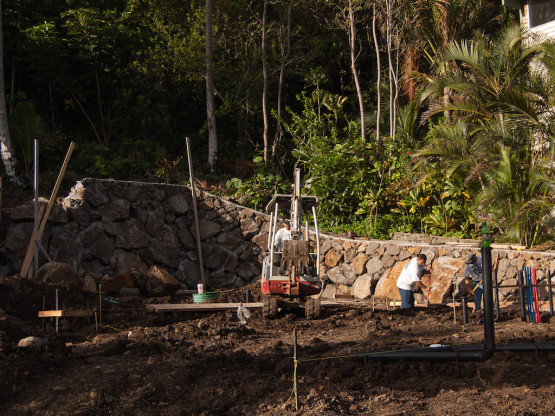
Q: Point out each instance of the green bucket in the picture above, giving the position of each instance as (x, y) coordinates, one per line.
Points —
(204, 297)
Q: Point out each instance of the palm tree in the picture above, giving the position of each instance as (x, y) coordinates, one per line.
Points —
(489, 80)
(501, 109)
(465, 151)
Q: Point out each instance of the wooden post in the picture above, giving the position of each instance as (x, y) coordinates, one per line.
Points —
(36, 210)
(25, 268)
(100, 304)
(429, 286)
(43, 308)
(195, 211)
(295, 368)
(56, 309)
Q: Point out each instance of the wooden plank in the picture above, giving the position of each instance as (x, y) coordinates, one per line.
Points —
(44, 219)
(59, 313)
(212, 307)
(459, 244)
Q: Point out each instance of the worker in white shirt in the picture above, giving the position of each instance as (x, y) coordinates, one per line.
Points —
(410, 279)
(282, 235)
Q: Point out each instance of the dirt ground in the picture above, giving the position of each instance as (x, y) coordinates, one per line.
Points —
(144, 363)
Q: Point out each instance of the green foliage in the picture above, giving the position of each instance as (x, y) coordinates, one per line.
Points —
(330, 148)
(257, 191)
(168, 169)
(26, 125)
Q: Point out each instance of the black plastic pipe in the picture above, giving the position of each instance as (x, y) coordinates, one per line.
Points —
(519, 347)
(549, 291)
(464, 301)
(521, 295)
(489, 326)
(483, 353)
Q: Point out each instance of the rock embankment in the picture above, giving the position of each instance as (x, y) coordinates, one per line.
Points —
(105, 228)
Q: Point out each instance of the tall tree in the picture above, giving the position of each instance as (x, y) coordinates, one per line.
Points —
(285, 47)
(265, 83)
(379, 75)
(6, 148)
(210, 108)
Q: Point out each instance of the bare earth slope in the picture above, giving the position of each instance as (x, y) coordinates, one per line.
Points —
(143, 363)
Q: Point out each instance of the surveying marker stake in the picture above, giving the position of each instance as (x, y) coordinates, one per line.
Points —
(100, 304)
(295, 368)
(43, 308)
(56, 309)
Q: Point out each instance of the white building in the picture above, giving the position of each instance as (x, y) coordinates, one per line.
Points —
(538, 16)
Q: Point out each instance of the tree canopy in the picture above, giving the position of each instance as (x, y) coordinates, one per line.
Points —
(403, 115)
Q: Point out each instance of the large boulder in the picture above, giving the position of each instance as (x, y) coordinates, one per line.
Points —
(127, 261)
(64, 246)
(362, 288)
(117, 210)
(17, 238)
(131, 234)
(248, 271)
(113, 284)
(32, 342)
(333, 257)
(99, 244)
(207, 229)
(342, 275)
(387, 285)
(445, 272)
(155, 217)
(27, 211)
(164, 248)
(358, 263)
(162, 283)
(94, 193)
(58, 273)
(178, 204)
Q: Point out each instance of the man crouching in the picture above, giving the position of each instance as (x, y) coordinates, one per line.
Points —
(410, 279)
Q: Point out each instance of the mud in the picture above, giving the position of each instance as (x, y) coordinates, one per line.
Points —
(144, 363)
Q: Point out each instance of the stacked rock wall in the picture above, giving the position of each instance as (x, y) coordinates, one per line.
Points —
(109, 227)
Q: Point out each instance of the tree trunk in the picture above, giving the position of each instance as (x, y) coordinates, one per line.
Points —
(352, 45)
(211, 118)
(284, 58)
(6, 147)
(378, 81)
(390, 62)
(265, 84)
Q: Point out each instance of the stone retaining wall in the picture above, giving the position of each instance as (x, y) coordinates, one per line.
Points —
(109, 227)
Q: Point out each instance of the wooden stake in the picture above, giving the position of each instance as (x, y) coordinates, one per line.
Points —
(429, 286)
(44, 218)
(295, 368)
(43, 308)
(100, 304)
(56, 309)
(195, 212)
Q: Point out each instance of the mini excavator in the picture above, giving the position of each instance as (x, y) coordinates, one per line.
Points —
(291, 271)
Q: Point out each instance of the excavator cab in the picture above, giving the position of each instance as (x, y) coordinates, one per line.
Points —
(291, 271)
